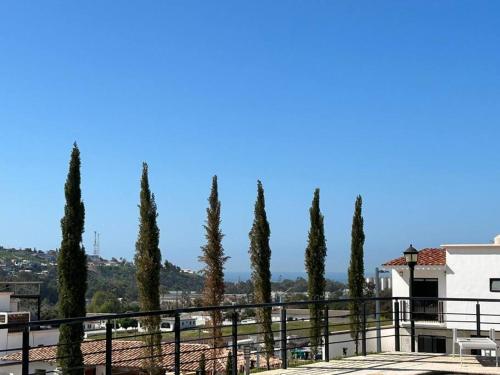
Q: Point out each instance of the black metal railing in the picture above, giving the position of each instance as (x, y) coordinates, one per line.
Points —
(431, 311)
(297, 338)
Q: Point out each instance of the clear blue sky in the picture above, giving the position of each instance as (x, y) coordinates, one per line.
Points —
(396, 100)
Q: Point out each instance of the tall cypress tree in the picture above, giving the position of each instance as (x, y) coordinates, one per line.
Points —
(315, 266)
(214, 259)
(356, 271)
(260, 258)
(72, 271)
(148, 264)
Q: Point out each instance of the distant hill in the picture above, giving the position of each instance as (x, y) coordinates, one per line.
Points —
(117, 276)
(120, 279)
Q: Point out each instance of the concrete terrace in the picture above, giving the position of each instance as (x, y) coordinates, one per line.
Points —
(397, 363)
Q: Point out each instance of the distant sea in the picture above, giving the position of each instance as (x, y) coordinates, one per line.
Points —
(276, 276)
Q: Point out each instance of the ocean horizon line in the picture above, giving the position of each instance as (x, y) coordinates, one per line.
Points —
(234, 276)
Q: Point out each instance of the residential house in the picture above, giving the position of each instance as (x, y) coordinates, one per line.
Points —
(450, 271)
(11, 338)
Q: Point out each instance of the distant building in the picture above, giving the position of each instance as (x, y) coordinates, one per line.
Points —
(167, 323)
(95, 325)
(385, 282)
(11, 338)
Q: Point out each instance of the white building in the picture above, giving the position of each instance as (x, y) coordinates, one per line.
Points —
(167, 323)
(385, 282)
(11, 338)
(451, 271)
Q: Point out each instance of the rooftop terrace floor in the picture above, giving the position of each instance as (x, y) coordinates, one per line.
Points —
(397, 363)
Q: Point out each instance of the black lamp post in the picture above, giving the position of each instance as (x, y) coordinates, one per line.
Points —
(411, 257)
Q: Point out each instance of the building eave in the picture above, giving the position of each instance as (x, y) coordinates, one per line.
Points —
(429, 267)
(471, 246)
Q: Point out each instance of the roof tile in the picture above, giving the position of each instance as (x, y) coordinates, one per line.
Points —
(426, 257)
(130, 354)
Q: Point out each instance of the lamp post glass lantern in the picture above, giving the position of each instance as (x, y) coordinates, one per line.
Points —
(411, 257)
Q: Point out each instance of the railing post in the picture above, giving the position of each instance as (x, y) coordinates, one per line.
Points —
(377, 309)
(412, 325)
(38, 309)
(109, 343)
(397, 346)
(478, 319)
(283, 338)
(177, 344)
(363, 332)
(326, 333)
(25, 369)
(234, 335)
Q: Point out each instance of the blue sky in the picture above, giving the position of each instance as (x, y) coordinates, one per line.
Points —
(396, 101)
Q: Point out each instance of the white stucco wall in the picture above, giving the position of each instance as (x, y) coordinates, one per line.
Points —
(468, 274)
(13, 340)
(401, 278)
(16, 368)
(5, 301)
(340, 340)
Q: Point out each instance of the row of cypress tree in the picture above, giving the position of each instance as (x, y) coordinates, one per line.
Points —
(72, 272)
(260, 259)
(72, 268)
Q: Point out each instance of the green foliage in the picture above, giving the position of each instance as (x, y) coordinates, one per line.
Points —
(72, 275)
(315, 267)
(148, 264)
(119, 278)
(296, 297)
(105, 302)
(239, 287)
(260, 258)
(48, 311)
(214, 259)
(127, 322)
(173, 277)
(356, 271)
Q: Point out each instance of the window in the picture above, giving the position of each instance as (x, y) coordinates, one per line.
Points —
(426, 309)
(494, 285)
(431, 344)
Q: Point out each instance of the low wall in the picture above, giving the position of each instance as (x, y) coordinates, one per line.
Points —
(14, 340)
(15, 369)
(343, 340)
(446, 333)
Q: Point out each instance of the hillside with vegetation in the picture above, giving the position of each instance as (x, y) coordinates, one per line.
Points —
(115, 276)
(113, 280)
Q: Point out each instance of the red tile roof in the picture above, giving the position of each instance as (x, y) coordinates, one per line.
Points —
(426, 257)
(130, 354)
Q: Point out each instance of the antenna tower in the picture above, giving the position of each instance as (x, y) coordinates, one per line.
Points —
(96, 243)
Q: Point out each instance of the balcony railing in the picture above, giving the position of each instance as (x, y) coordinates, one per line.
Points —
(242, 339)
(424, 311)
